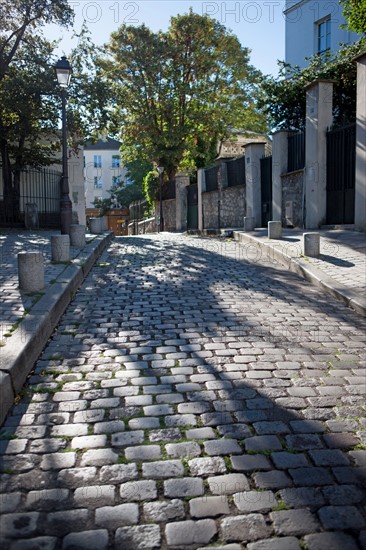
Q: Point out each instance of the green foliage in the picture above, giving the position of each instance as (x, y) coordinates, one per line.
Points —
(125, 195)
(355, 13)
(178, 92)
(150, 186)
(103, 205)
(285, 97)
(137, 170)
(30, 100)
(88, 95)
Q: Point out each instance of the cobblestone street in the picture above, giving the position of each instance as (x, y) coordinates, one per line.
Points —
(191, 398)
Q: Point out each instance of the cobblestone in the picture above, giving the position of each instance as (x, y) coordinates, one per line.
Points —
(140, 537)
(182, 533)
(97, 539)
(294, 522)
(245, 528)
(200, 397)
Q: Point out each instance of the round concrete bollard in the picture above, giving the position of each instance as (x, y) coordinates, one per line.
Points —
(104, 223)
(274, 230)
(249, 223)
(95, 225)
(77, 235)
(311, 244)
(31, 271)
(60, 248)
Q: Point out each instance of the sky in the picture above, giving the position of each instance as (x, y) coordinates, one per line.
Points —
(258, 24)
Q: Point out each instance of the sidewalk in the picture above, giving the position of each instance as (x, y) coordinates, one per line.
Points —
(28, 319)
(340, 269)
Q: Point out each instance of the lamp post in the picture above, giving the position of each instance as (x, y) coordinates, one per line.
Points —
(63, 72)
(161, 225)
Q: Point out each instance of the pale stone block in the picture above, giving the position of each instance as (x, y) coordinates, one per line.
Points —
(249, 223)
(31, 271)
(274, 230)
(77, 235)
(60, 248)
(311, 244)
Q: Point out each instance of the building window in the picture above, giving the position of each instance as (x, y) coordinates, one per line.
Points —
(97, 182)
(324, 30)
(97, 161)
(115, 161)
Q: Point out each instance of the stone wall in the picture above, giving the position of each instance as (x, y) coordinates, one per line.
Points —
(292, 192)
(148, 225)
(210, 209)
(232, 208)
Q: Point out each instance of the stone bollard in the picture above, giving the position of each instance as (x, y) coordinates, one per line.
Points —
(249, 223)
(60, 248)
(95, 225)
(104, 223)
(311, 244)
(31, 271)
(77, 235)
(274, 230)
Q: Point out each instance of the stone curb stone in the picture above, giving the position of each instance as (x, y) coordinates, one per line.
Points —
(26, 343)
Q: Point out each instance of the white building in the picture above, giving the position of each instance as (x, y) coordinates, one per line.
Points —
(103, 169)
(313, 27)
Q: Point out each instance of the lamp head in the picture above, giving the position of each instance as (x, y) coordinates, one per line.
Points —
(63, 72)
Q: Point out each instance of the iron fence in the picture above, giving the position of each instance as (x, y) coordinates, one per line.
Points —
(341, 159)
(296, 151)
(39, 193)
(236, 172)
(211, 178)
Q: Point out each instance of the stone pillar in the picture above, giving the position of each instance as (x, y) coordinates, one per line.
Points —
(201, 188)
(311, 245)
(319, 117)
(60, 248)
(360, 183)
(31, 271)
(253, 154)
(279, 167)
(77, 235)
(181, 182)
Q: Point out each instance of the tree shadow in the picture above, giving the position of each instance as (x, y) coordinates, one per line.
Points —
(261, 351)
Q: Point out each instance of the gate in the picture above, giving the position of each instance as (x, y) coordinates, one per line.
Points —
(266, 190)
(192, 206)
(341, 164)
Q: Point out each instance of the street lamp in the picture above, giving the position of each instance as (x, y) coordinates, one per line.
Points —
(63, 72)
(160, 170)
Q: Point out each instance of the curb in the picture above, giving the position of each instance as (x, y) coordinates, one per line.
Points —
(315, 276)
(28, 340)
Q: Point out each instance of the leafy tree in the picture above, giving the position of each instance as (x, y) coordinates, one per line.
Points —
(103, 205)
(24, 84)
(285, 97)
(30, 103)
(355, 13)
(125, 195)
(137, 170)
(177, 93)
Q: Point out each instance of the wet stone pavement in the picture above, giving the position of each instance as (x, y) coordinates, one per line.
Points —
(191, 399)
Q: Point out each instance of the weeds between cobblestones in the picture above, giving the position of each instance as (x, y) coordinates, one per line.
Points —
(188, 398)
